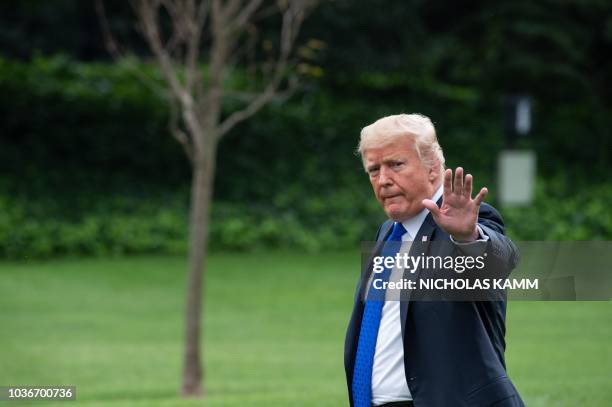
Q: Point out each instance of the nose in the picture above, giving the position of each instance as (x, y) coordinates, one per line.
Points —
(384, 178)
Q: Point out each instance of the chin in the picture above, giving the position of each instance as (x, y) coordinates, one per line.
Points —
(396, 215)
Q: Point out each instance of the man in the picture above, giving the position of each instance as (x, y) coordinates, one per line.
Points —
(426, 353)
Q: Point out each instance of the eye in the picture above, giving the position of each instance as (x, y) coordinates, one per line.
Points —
(397, 164)
(373, 171)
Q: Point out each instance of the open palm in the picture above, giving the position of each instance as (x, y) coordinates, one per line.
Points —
(458, 214)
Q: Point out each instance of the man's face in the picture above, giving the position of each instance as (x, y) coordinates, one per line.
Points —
(399, 179)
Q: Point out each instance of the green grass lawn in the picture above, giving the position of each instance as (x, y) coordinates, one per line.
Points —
(273, 333)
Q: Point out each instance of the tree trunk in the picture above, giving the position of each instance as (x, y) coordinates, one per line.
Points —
(201, 198)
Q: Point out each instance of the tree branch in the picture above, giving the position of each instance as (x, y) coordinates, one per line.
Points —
(109, 40)
(147, 12)
(193, 44)
(119, 56)
(177, 132)
(292, 20)
(240, 20)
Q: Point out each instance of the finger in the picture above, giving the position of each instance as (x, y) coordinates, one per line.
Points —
(481, 196)
(467, 188)
(458, 187)
(448, 176)
(431, 205)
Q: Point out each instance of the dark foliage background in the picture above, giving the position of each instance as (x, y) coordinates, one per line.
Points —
(87, 166)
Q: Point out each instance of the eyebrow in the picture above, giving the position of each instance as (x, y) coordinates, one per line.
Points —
(393, 160)
(386, 161)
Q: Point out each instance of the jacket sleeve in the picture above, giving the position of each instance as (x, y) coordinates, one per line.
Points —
(502, 254)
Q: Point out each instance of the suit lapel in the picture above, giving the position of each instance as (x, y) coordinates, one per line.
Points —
(365, 275)
(420, 245)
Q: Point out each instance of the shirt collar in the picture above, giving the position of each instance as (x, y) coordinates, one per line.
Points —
(413, 224)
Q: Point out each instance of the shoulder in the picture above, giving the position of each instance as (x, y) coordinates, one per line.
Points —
(490, 217)
(383, 229)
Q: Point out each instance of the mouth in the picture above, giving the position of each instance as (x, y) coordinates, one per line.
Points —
(389, 197)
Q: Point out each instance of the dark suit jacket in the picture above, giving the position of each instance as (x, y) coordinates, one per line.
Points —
(453, 351)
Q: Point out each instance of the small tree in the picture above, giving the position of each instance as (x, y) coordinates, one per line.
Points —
(178, 33)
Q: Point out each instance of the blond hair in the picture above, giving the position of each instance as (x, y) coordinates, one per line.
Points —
(415, 127)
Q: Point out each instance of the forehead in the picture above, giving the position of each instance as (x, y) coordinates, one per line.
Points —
(396, 149)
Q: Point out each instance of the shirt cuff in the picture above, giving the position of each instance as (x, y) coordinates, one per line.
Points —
(482, 237)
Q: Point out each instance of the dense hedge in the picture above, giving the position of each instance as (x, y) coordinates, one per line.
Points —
(78, 127)
(87, 166)
(125, 225)
(563, 212)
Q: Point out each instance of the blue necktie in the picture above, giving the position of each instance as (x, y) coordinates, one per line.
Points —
(370, 322)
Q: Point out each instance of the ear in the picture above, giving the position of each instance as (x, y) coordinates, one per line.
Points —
(434, 173)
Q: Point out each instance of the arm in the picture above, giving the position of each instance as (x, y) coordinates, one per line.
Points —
(502, 254)
(466, 220)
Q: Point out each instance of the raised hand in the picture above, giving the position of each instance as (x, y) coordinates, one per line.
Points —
(458, 214)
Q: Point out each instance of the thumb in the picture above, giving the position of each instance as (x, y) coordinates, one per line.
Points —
(431, 205)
